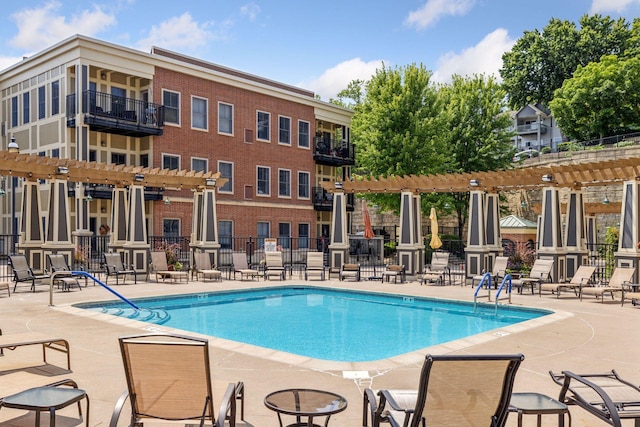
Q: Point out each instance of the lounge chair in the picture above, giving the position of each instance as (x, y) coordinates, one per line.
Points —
(540, 272)
(349, 271)
(581, 278)
(202, 268)
(628, 292)
(497, 273)
(62, 272)
(620, 278)
(240, 265)
(114, 267)
(454, 390)
(161, 268)
(436, 272)
(273, 266)
(607, 396)
(23, 273)
(394, 271)
(169, 378)
(315, 265)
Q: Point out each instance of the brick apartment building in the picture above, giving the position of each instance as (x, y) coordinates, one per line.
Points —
(90, 100)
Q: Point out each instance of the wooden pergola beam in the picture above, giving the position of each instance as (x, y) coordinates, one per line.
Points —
(34, 167)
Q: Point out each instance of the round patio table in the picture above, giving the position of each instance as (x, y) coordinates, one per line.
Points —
(305, 403)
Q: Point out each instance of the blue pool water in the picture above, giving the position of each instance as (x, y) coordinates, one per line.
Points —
(322, 323)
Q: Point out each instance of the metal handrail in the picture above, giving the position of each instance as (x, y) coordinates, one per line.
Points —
(509, 287)
(486, 278)
(85, 274)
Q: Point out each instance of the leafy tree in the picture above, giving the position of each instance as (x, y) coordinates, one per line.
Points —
(601, 99)
(540, 61)
(396, 128)
(478, 134)
(351, 96)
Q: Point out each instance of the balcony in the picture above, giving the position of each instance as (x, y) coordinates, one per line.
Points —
(104, 112)
(323, 200)
(330, 152)
(102, 191)
(531, 128)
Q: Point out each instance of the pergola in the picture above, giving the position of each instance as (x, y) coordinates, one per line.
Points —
(563, 241)
(128, 227)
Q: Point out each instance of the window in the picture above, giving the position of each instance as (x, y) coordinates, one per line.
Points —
(303, 134)
(199, 165)
(225, 118)
(284, 235)
(170, 162)
(284, 130)
(263, 125)
(118, 158)
(225, 233)
(199, 113)
(144, 160)
(26, 108)
(263, 233)
(55, 97)
(303, 185)
(303, 235)
(55, 153)
(14, 111)
(284, 183)
(171, 103)
(42, 102)
(171, 227)
(264, 186)
(226, 171)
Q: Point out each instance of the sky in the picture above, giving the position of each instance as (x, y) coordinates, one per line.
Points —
(317, 45)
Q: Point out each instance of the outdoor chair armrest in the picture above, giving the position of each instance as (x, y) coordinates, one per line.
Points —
(369, 407)
(227, 411)
(115, 416)
(386, 396)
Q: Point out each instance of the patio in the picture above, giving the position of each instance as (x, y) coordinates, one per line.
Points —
(585, 336)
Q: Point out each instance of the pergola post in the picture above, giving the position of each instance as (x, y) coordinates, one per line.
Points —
(31, 231)
(550, 242)
(418, 237)
(492, 228)
(628, 254)
(137, 246)
(339, 246)
(59, 221)
(592, 234)
(409, 239)
(575, 232)
(205, 224)
(476, 252)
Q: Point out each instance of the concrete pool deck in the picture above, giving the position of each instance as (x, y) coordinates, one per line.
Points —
(584, 337)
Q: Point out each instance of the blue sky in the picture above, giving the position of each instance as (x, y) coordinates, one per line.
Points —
(318, 45)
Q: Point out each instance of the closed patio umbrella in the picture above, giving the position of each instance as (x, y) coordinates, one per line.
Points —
(368, 230)
(435, 239)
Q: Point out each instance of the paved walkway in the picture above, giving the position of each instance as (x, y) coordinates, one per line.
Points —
(585, 337)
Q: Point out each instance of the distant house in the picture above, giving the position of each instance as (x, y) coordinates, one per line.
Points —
(517, 232)
(535, 128)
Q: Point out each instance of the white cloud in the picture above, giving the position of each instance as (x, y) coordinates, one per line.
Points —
(180, 33)
(604, 6)
(337, 78)
(432, 10)
(39, 28)
(483, 58)
(250, 10)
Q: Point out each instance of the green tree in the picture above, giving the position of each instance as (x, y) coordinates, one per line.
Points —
(351, 96)
(396, 128)
(540, 61)
(600, 100)
(478, 135)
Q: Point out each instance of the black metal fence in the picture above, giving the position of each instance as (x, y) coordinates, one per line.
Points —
(370, 254)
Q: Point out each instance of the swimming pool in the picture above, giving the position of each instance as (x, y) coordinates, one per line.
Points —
(322, 323)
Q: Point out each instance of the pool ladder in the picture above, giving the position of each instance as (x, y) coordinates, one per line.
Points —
(486, 279)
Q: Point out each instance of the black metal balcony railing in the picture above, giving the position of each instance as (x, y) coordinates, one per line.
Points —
(104, 112)
(323, 200)
(329, 151)
(531, 128)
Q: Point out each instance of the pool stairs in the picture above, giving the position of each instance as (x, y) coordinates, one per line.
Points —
(152, 315)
